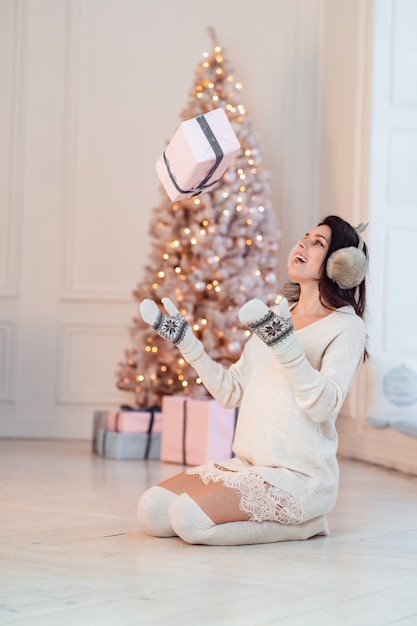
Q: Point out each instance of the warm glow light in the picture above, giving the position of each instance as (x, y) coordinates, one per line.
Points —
(177, 270)
(140, 378)
(161, 274)
(165, 256)
(184, 383)
(155, 285)
(154, 349)
(187, 231)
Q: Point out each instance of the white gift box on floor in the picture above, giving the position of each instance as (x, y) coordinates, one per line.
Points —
(198, 154)
(127, 446)
(195, 431)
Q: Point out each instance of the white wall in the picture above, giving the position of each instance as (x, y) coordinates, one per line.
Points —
(91, 90)
(393, 220)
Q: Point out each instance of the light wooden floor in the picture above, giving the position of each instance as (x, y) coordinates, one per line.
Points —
(72, 552)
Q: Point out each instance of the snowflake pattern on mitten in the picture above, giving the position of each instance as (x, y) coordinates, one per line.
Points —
(171, 327)
(272, 329)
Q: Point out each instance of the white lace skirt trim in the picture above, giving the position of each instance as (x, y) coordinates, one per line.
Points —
(260, 500)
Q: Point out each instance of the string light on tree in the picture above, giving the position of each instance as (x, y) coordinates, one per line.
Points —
(210, 254)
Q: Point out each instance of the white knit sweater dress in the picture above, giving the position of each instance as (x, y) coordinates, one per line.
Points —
(286, 430)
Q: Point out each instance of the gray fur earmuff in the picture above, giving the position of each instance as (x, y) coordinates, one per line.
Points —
(348, 266)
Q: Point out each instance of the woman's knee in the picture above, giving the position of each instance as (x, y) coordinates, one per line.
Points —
(188, 520)
(153, 511)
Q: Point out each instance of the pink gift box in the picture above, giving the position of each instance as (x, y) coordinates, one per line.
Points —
(128, 421)
(195, 431)
(133, 421)
(197, 155)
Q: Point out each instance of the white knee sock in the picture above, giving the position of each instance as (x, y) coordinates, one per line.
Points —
(153, 511)
(193, 526)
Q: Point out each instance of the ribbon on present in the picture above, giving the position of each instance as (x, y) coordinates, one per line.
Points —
(218, 153)
(152, 410)
(184, 432)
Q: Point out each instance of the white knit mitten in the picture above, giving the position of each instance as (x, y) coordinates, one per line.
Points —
(173, 327)
(275, 329)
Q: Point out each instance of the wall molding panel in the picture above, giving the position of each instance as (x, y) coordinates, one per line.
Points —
(12, 72)
(403, 84)
(87, 363)
(7, 361)
(91, 195)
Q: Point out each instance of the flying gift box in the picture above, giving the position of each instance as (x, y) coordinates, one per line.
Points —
(198, 155)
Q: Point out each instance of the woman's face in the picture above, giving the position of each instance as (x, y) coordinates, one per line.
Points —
(306, 259)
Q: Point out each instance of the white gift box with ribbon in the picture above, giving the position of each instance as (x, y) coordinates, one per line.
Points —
(198, 155)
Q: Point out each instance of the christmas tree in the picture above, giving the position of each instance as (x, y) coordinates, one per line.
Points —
(210, 253)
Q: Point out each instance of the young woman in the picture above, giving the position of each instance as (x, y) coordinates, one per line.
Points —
(290, 384)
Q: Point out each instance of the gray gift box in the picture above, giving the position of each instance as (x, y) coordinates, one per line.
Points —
(127, 446)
